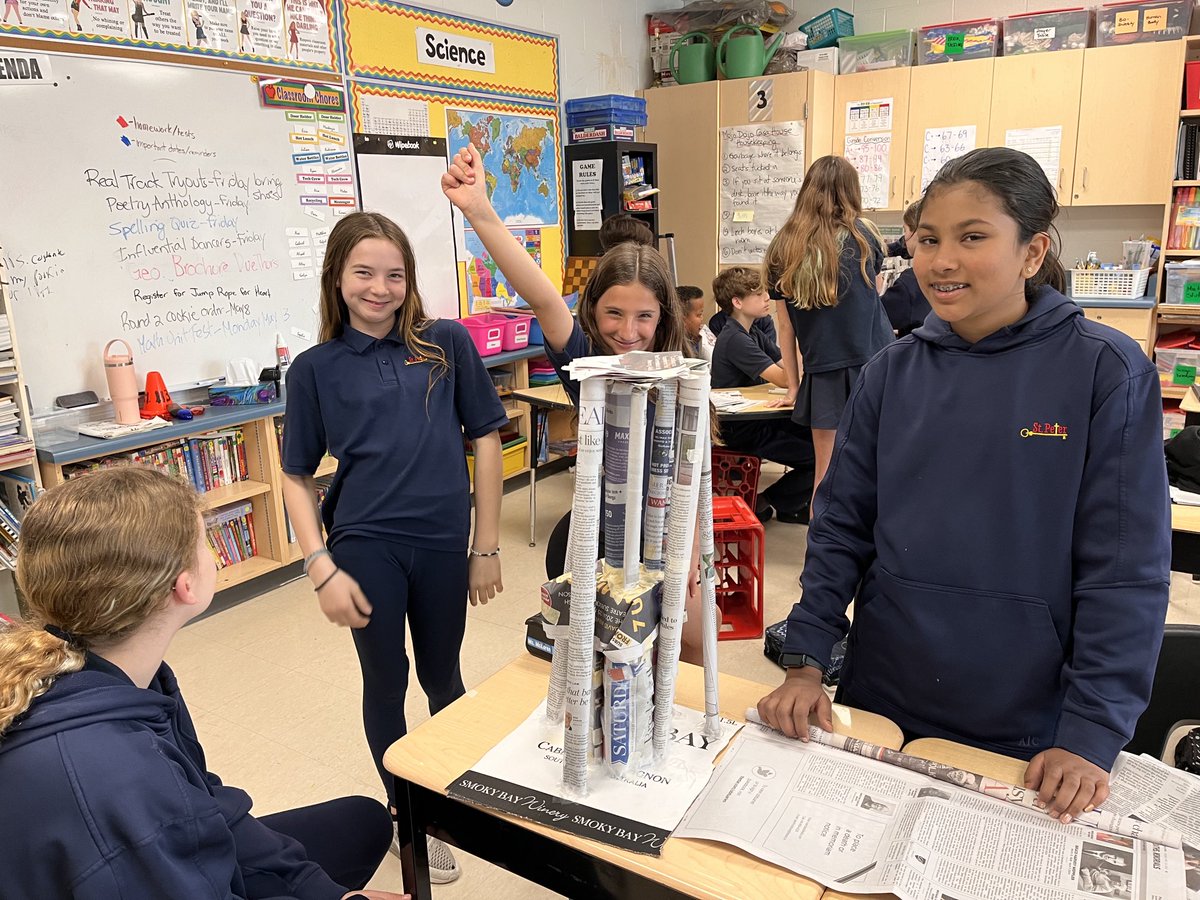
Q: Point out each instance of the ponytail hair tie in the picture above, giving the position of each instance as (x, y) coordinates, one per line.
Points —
(62, 634)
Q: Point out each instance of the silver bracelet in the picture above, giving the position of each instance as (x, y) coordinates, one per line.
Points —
(308, 560)
(472, 552)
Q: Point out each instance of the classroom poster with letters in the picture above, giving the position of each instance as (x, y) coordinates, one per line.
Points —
(1043, 144)
(586, 181)
(213, 23)
(943, 145)
(160, 21)
(871, 155)
(864, 116)
(260, 28)
(762, 167)
(105, 18)
(307, 31)
(34, 15)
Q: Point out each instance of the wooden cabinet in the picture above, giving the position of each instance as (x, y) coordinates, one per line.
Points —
(885, 84)
(945, 96)
(1137, 323)
(1037, 90)
(682, 122)
(1127, 122)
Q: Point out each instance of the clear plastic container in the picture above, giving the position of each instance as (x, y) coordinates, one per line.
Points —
(1183, 283)
(1056, 29)
(976, 39)
(880, 50)
(1133, 23)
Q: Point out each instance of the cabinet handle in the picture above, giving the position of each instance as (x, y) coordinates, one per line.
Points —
(893, 194)
(912, 188)
(1061, 172)
(1085, 178)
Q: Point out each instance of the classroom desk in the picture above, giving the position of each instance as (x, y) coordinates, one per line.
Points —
(982, 762)
(552, 396)
(434, 754)
(1185, 539)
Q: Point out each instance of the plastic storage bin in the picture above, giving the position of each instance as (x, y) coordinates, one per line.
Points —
(825, 30)
(1132, 23)
(881, 50)
(488, 337)
(1058, 29)
(1183, 284)
(1109, 284)
(513, 460)
(741, 568)
(1177, 367)
(976, 39)
(823, 60)
(607, 109)
(514, 333)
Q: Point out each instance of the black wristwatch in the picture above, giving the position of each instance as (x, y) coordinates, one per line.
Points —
(800, 660)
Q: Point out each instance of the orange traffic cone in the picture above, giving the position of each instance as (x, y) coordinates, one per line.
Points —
(158, 401)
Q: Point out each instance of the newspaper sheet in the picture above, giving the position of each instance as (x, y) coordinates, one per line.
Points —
(634, 810)
(865, 826)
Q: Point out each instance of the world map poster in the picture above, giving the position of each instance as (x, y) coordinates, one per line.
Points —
(520, 154)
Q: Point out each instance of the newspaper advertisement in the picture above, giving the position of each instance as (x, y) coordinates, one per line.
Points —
(864, 826)
(634, 810)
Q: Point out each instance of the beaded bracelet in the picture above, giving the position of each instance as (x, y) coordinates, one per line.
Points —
(308, 560)
(475, 553)
(317, 589)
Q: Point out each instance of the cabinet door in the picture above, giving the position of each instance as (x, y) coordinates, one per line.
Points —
(948, 95)
(890, 85)
(1040, 90)
(1128, 116)
(682, 121)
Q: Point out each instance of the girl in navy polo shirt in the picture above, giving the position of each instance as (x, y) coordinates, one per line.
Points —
(390, 393)
(996, 507)
(629, 304)
(823, 264)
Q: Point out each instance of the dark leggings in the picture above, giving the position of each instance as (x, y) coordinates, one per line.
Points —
(429, 587)
(348, 838)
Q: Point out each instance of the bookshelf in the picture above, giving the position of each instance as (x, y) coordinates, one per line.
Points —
(18, 466)
(614, 157)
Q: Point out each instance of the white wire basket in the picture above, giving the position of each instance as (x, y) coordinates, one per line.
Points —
(1109, 284)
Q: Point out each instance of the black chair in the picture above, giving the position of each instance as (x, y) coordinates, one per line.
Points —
(1174, 699)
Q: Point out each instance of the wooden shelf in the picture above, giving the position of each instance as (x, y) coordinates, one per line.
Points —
(1189, 113)
(234, 493)
(514, 414)
(1181, 253)
(1190, 310)
(245, 570)
(327, 467)
(1174, 391)
(1185, 184)
(29, 460)
(294, 553)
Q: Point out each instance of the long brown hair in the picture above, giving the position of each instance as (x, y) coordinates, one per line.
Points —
(630, 263)
(98, 556)
(802, 261)
(411, 321)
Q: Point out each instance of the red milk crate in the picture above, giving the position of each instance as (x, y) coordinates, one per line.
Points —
(741, 568)
(735, 474)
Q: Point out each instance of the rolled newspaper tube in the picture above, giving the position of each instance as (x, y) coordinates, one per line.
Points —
(681, 531)
(557, 689)
(617, 406)
(628, 692)
(708, 584)
(662, 445)
(577, 719)
(632, 526)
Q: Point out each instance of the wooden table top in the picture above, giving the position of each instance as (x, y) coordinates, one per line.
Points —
(553, 396)
(434, 754)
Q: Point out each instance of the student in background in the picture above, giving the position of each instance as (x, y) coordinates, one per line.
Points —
(621, 228)
(629, 304)
(823, 265)
(904, 302)
(766, 325)
(103, 781)
(700, 338)
(996, 507)
(390, 393)
(744, 357)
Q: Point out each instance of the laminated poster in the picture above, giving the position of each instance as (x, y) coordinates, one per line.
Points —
(103, 17)
(871, 155)
(52, 15)
(159, 21)
(260, 28)
(213, 24)
(306, 31)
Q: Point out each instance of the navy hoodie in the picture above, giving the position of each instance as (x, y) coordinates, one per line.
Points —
(999, 513)
(105, 795)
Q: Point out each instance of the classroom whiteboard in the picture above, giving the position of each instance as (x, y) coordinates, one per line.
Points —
(165, 206)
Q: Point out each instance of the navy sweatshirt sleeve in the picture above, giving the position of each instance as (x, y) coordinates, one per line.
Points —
(841, 542)
(1122, 547)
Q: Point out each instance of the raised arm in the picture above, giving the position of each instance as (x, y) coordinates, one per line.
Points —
(465, 185)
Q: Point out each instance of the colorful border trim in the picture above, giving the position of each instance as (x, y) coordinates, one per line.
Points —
(431, 17)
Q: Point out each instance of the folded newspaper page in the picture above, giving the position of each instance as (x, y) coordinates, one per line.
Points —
(865, 826)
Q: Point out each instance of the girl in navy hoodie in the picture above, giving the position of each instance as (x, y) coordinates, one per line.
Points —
(103, 781)
(996, 507)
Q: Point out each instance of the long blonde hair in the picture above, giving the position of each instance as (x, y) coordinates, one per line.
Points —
(802, 261)
(633, 263)
(98, 556)
(411, 321)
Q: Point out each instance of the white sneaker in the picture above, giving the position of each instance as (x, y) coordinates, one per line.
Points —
(443, 867)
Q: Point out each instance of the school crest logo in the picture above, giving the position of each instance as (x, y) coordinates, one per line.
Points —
(1045, 429)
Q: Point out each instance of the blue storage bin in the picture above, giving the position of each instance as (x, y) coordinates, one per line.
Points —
(607, 109)
(535, 333)
(825, 30)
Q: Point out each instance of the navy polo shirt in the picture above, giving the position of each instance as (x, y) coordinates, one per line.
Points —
(578, 346)
(402, 472)
(740, 356)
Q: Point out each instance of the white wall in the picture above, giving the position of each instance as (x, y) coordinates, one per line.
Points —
(603, 47)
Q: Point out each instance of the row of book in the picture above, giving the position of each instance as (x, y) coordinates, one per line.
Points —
(1184, 233)
(1187, 152)
(208, 461)
(17, 493)
(322, 485)
(636, 191)
(230, 534)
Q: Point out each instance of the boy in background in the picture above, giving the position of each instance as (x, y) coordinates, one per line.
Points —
(745, 356)
(621, 228)
(905, 305)
(691, 298)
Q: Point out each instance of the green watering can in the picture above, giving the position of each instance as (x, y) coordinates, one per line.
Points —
(746, 56)
(696, 61)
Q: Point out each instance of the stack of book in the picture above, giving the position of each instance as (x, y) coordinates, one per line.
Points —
(636, 192)
(541, 372)
(17, 493)
(1187, 152)
(208, 460)
(8, 362)
(9, 420)
(1184, 231)
(230, 533)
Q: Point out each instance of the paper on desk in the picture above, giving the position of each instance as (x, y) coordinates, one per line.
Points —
(730, 401)
(1184, 498)
(865, 826)
(523, 776)
(110, 430)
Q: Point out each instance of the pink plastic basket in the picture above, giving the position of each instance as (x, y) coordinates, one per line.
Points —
(488, 337)
(515, 335)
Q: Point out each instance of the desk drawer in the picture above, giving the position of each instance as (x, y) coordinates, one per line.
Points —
(1137, 323)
